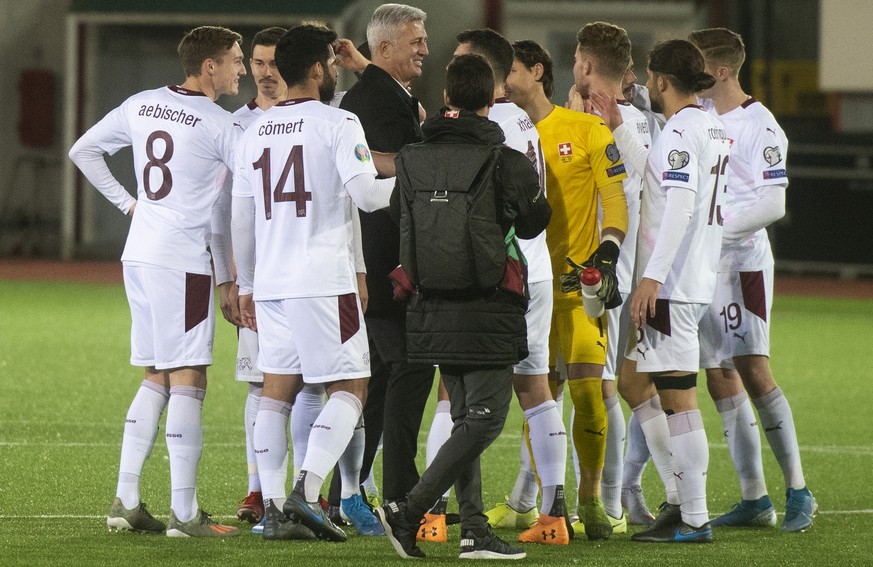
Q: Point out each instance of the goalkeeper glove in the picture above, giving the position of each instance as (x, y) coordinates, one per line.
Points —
(604, 259)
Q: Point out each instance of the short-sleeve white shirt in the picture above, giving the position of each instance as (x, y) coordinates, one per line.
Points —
(294, 161)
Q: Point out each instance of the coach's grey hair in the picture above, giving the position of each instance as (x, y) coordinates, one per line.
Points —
(387, 21)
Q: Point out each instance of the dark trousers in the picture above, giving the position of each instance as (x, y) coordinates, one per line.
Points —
(480, 402)
(396, 396)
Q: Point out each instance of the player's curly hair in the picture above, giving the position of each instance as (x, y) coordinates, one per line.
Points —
(529, 53)
(205, 42)
(682, 64)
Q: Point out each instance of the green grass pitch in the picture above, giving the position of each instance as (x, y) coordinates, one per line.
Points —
(66, 385)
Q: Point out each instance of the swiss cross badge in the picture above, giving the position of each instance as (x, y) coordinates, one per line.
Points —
(565, 151)
(452, 113)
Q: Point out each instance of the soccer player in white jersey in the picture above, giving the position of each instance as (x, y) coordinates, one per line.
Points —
(637, 455)
(300, 169)
(182, 142)
(735, 334)
(678, 245)
(310, 401)
(603, 58)
(544, 426)
(271, 89)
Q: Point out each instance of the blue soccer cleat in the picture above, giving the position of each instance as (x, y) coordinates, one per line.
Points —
(800, 509)
(758, 513)
(360, 516)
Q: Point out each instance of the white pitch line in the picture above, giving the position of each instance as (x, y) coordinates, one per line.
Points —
(43, 444)
(865, 450)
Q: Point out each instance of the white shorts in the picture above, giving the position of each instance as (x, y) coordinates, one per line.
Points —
(618, 325)
(668, 342)
(322, 338)
(737, 322)
(247, 357)
(172, 317)
(539, 322)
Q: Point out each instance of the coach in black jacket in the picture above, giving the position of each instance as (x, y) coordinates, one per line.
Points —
(475, 337)
(398, 390)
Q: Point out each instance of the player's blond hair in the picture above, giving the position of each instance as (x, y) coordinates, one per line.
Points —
(610, 47)
(720, 46)
(205, 42)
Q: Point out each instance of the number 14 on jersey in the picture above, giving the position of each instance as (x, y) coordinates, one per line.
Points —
(278, 194)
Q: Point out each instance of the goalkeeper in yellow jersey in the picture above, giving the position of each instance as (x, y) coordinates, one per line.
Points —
(583, 169)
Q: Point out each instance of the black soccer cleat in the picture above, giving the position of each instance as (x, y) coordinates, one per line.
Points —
(400, 531)
(313, 516)
(682, 533)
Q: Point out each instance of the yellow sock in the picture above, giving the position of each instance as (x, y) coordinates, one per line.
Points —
(589, 424)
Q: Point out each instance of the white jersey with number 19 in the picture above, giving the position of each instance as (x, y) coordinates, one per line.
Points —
(759, 150)
(691, 153)
(294, 161)
(183, 144)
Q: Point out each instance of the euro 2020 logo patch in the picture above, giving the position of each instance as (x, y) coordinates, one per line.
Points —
(612, 153)
(677, 159)
(772, 155)
(362, 153)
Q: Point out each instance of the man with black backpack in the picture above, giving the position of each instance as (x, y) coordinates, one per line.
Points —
(461, 199)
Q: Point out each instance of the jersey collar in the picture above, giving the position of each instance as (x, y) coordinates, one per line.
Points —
(697, 106)
(293, 101)
(179, 90)
(749, 102)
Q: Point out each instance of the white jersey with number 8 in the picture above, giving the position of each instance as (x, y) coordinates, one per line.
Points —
(181, 141)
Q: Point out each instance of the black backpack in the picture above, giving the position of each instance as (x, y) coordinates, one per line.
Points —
(451, 240)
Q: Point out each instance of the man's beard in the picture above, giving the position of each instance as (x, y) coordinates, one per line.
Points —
(327, 89)
(657, 103)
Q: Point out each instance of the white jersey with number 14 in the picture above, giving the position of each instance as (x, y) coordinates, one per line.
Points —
(294, 161)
